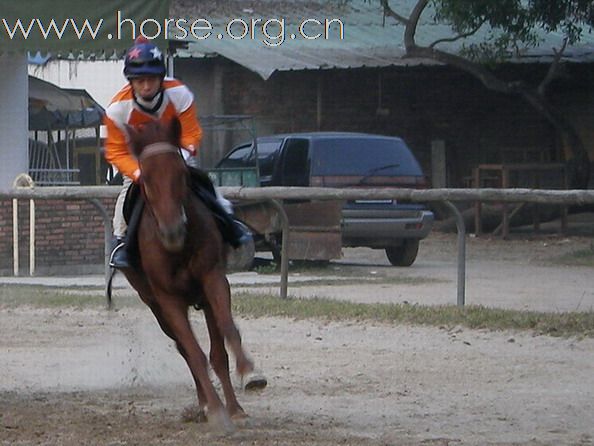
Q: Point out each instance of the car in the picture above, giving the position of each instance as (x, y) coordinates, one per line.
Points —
(347, 160)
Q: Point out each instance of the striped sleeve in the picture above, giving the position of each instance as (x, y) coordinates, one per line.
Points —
(191, 132)
(116, 148)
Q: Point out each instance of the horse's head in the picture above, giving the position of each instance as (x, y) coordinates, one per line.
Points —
(164, 178)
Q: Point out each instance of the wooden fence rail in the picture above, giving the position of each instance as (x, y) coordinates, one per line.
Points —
(544, 196)
(447, 196)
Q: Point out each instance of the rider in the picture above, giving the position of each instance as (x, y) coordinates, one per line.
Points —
(149, 95)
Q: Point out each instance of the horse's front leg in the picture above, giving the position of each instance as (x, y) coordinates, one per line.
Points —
(172, 314)
(218, 296)
(219, 359)
(189, 414)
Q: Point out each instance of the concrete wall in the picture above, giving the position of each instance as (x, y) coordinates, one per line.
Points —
(14, 91)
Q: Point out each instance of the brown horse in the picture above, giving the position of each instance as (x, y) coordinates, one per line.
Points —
(182, 264)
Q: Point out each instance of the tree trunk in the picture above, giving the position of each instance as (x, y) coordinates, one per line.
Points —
(578, 161)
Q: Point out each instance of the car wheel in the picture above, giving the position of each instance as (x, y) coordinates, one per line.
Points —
(403, 255)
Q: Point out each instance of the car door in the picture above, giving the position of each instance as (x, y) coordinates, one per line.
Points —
(295, 163)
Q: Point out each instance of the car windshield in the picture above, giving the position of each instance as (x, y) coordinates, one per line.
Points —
(363, 156)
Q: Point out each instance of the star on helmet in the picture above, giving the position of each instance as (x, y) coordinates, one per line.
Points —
(134, 53)
(156, 53)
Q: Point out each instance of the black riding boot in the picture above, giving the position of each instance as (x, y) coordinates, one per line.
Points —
(241, 233)
(119, 255)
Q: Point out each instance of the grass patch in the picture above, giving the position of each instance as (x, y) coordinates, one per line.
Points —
(49, 297)
(348, 280)
(582, 257)
(476, 317)
(259, 305)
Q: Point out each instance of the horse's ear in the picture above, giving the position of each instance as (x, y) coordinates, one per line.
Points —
(175, 131)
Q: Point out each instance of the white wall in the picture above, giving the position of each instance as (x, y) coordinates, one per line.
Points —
(14, 118)
(102, 79)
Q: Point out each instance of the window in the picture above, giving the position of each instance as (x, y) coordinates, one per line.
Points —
(295, 166)
(362, 156)
(236, 158)
(267, 151)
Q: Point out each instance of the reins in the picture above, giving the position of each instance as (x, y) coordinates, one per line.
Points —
(148, 151)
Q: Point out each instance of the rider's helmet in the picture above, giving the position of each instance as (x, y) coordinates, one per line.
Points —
(144, 59)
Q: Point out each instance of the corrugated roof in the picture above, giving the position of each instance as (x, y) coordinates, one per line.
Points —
(369, 40)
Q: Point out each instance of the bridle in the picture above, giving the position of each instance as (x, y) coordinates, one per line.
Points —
(157, 148)
(169, 236)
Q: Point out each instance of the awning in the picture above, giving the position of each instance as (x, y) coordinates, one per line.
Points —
(55, 108)
(368, 38)
(93, 29)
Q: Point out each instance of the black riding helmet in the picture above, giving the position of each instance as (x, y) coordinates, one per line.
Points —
(144, 59)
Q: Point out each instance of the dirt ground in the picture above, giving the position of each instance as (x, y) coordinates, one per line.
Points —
(73, 377)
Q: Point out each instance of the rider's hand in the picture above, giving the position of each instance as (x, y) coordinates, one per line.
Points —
(191, 150)
(136, 176)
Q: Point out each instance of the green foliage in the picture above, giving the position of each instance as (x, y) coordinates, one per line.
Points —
(513, 24)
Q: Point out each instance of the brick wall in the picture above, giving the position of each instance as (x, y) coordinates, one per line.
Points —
(69, 236)
(420, 104)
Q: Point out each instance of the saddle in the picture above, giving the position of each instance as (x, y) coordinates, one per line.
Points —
(202, 187)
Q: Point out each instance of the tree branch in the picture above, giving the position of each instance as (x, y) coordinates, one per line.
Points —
(553, 69)
(458, 37)
(388, 11)
(488, 79)
(412, 24)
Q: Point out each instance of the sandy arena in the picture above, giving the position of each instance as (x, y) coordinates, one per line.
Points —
(74, 377)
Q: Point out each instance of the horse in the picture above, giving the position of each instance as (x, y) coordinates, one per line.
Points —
(182, 264)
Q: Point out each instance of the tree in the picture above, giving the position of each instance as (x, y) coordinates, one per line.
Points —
(513, 26)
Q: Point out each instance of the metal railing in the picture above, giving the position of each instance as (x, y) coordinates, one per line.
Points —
(277, 194)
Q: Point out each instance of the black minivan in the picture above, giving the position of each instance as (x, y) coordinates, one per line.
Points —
(345, 160)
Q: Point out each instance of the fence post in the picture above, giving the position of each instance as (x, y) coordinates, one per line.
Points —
(284, 247)
(461, 288)
(23, 180)
(15, 237)
(107, 231)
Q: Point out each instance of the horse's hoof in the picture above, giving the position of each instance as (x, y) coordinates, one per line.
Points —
(194, 414)
(221, 422)
(239, 415)
(254, 380)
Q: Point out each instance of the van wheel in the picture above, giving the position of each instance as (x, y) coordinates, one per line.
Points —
(403, 255)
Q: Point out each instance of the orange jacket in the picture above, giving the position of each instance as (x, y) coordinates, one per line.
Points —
(178, 101)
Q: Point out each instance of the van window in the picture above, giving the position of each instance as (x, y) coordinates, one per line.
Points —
(244, 156)
(363, 156)
(295, 164)
(236, 158)
(267, 151)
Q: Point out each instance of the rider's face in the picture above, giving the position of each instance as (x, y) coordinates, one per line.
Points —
(146, 87)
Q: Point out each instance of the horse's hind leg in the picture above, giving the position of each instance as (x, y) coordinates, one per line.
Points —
(220, 363)
(218, 296)
(173, 314)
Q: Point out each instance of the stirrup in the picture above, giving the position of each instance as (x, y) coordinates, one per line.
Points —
(119, 256)
(243, 234)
